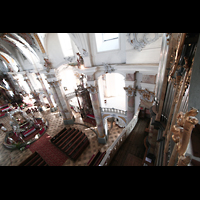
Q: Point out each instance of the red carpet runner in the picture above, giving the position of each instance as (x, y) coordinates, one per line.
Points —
(50, 153)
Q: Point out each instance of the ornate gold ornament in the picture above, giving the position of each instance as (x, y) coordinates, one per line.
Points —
(182, 131)
(130, 91)
(183, 160)
(92, 89)
(146, 95)
(181, 40)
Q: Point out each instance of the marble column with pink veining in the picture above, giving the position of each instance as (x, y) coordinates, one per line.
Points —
(97, 111)
(130, 92)
(39, 77)
(131, 108)
(63, 105)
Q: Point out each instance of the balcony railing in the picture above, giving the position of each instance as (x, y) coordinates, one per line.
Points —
(119, 141)
(70, 95)
(114, 110)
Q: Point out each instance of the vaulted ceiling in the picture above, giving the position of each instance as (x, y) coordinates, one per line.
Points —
(15, 45)
(26, 51)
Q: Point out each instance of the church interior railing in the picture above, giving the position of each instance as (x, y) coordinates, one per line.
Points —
(70, 95)
(119, 141)
(114, 110)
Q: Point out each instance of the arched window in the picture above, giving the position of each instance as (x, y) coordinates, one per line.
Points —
(65, 43)
(107, 41)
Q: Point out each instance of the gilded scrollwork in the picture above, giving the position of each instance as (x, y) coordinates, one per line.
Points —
(176, 59)
(92, 89)
(130, 91)
(183, 160)
(186, 66)
(182, 131)
(146, 95)
(146, 98)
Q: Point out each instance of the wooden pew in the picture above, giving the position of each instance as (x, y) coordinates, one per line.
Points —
(34, 160)
(71, 142)
(96, 158)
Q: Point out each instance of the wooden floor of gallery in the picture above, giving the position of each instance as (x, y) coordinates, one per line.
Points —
(132, 151)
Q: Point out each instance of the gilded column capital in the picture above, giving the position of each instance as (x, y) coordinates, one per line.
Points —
(182, 131)
(93, 89)
(130, 91)
(146, 95)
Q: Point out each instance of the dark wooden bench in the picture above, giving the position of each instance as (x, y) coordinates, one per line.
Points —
(96, 158)
(34, 160)
(71, 141)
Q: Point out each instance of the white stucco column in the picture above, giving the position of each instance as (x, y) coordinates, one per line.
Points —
(45, 91)
(93, 89)
(60, 100)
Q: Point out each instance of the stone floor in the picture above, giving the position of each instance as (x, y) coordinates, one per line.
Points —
(15, 157)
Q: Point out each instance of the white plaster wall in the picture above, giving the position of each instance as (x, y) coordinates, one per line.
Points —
(54, 50)
(125, 54)
(68, 80)
(149, 54)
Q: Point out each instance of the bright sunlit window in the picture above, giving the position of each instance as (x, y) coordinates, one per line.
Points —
(110, 36)
(107, 41)
(65, 43)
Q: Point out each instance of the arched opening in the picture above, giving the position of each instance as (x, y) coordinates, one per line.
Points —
(112, 94)
(69, 81)
(114, 124)
(69, 84)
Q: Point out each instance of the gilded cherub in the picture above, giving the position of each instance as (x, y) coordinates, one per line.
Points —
(182, 131)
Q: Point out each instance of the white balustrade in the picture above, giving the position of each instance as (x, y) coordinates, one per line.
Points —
(114, 110)
(118, 142)
(70, 95)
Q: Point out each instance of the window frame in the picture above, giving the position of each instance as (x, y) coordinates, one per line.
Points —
(109, 39)
(106, 42)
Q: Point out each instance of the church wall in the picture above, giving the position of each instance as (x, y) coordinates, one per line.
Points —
(149, 54)
(125, 54)
(54, 50)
